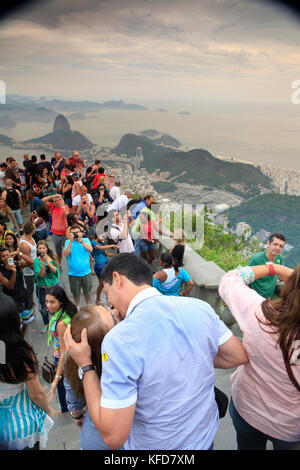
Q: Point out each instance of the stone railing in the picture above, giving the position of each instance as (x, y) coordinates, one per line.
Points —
(206, 276)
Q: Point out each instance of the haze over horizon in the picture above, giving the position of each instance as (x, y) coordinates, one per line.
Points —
(235, 60)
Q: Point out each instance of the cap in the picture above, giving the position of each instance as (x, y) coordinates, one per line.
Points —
(128, 191)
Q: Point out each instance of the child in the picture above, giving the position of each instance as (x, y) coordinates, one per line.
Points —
(46, 275)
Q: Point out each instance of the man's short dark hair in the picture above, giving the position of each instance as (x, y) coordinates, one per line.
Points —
(43, 156)
(28, 228)
(75, 226)
(134, 268)
(276, 235)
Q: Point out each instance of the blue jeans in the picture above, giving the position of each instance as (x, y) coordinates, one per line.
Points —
(61, 391)
(249, 438)
(41, 295)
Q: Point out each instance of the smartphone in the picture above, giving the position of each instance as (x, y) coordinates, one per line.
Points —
(10, 261)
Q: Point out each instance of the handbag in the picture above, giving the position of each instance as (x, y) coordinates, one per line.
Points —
(222, 402)
(48, 371)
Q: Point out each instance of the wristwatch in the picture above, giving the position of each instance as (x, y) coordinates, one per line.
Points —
(83, 370)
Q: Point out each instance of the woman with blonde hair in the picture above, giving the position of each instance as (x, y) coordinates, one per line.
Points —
(8, 216)
(95, 322)
(46, 273)
(265, 404)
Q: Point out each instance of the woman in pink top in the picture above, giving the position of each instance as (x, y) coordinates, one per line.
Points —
(265, 402)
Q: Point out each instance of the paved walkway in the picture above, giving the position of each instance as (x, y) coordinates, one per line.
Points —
(65, 435)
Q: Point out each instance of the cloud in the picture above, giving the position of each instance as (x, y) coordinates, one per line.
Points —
(190, 44)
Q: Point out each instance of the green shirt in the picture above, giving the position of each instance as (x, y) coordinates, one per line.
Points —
(265, 286)
(49, 279)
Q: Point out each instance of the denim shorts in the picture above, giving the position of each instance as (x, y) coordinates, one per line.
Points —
(144, 246)
(18, 216)
(98, 268)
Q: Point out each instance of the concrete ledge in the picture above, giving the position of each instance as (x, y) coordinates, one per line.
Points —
(206, 276)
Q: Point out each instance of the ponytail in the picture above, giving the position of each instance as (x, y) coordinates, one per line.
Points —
(169, 261)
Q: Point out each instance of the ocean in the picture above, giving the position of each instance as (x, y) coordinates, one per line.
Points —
(267, 133)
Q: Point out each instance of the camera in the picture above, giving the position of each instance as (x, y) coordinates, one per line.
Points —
(10, 261)
(42, 255)
(76, 236)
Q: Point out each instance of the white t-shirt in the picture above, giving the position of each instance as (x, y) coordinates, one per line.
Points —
(2, 184)
(125, 244)
(114, 192)
(119, 203)
(77, 200)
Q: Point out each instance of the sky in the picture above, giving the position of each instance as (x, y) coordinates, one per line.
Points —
(152, 50)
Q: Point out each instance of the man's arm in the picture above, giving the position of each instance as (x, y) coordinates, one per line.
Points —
(67, 250)
(9, 283)
(230, 354)
(87, 246)
(113, 424)
(27, 252)
(46, 199)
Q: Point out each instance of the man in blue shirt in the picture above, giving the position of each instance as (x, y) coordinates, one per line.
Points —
(78, 250)
(34, 201)
(157, 383)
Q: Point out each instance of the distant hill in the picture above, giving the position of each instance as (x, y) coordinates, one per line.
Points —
(274, 213)
(200, 166)
(68, 105)
(5, 140)
(168, 141)
(26, 112)
(77, 116)
(151, 133)
(129, 143)
(161, 139)
(62, 137)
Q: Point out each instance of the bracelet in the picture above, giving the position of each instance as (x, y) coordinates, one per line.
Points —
(77, 417)
(58, 377)
(271, 270)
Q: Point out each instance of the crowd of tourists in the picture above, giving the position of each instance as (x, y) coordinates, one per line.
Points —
(134, 366)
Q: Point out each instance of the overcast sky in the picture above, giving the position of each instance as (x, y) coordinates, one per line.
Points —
(143, 50)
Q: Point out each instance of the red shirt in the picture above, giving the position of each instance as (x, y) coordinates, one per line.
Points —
(74, 162)
(59, 223)
(96, 179)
